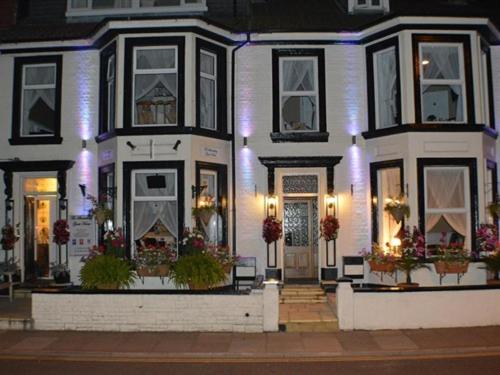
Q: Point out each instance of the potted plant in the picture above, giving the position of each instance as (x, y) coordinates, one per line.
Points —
(224, 256)
(154, 260)
(100, 209)
(379, 260)
(106, 272)
(205, 209)
(486, 237)
(410, 254)
(494, 207)
(451, 258)
(198, 271)
(492, 264)
(397, 208)
(271, 229)
(60, 273)
(114, 243)
(329, 228)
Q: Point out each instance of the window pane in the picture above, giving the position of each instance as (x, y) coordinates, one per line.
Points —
(156, 99)
(389, 186)
(111, 105)
(442, 103)
(387, 90)
(155, 184)
(156, 58)
(300, 184)
(159, 3)
(298, 75)
(75, 4)
(156, 222)
(38, 112)
(445, 188)
(40, 75)
(207, 64)
(209, 182)
(299, 112)
(451, 227)
(440, 62)
(207, 103)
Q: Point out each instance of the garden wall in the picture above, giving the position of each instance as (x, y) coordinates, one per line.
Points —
(395, 308)
(148, 311)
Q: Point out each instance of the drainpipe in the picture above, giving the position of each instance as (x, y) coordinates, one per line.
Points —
(233, 146)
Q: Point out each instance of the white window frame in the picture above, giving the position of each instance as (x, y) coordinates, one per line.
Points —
(381, 213)
(136, 71)
(448, 82)
(375, 79)
(135, 8)
(111, 86)
(212, 77)
(314, 93)
(25, 86)
(465, 210)
(210, 172)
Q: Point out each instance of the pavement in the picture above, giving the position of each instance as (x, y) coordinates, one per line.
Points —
(192, 347)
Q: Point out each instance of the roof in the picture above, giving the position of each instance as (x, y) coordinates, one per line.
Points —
(263, 16)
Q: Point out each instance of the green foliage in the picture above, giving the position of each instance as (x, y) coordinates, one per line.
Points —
(199, 270)
(106, 270)
(492, 263)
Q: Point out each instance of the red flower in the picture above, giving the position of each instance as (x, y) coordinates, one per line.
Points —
(329, 227)
(61, 232)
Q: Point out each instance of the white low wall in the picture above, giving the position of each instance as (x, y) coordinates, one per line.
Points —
(255, 312)
(416, 309)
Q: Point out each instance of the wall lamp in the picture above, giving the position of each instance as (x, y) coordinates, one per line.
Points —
(83, 189)
(245, 142)
(131, 145)
(331, 204)
(176, 146)
(84, 144)
(272, 205)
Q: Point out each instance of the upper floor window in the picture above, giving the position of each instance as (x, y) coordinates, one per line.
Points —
(384, 107)
(154, 82)
(108, 89)
(487, 87)
(117, 7)
(211, 86)
(299, 93)
(37, 100)
(443, 88)
(208, 90)
(368, 6)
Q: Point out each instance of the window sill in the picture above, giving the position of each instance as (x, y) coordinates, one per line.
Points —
(433, 128)
(162, 131)
(300, 137)
(35, 141)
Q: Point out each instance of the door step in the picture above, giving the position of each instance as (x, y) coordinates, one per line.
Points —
(22, 293)
(311, 327)
(20, 324)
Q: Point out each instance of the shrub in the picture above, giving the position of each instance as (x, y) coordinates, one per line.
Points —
(198, 271)
(106, 271)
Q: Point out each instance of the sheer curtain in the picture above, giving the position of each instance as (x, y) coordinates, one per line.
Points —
(387, 90)
(445, 189)
(147, 213)
(443, 63)
(390, 186)
(299, 76)
(207, 103)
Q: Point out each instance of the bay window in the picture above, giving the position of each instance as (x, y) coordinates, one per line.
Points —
(208, 90)
(107, 108)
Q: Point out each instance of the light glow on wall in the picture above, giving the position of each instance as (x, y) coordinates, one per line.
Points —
(83, 79)
(85, 165)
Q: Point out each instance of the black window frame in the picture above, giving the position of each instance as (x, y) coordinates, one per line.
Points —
(372, 110)
(221, 96)
(470, 163)
(375, 167)
(102, 183)
(485, 47)
(105, 55)
(492, 166)
(465, 40)
(16, 137)
(128, 94)
(319, 136)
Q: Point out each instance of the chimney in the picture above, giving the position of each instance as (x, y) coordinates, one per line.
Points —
(8, 13)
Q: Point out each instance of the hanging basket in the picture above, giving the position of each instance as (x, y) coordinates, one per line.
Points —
(102, 215)
(398, 214)
(387, 267)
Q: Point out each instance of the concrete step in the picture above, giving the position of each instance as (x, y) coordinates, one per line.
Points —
(22, 293)
(20, 324)
(311, 326)
(303, 301)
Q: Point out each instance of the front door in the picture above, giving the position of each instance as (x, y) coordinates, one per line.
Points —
(39, 250)
(299, 255)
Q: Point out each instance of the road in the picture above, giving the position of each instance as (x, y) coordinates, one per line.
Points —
(481, 364)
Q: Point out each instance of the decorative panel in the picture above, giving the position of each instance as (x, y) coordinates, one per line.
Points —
(300, 184)
(296, 224)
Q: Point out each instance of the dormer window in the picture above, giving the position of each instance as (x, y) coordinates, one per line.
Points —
(125, 7)
(363, 6)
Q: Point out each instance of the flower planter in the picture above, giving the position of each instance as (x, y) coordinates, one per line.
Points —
(145, 272)
(408, 285)
(382, 267)
(162, 270)
(108, 286)
(227, 268)
(451, 267)
(198, 286)
(62, 278)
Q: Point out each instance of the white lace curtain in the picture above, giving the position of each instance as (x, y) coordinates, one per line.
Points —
(298, 75)
(443, 63)
(387, 88)
(445, 189)
(390, 186)
(155, 59)
(43, 75)
(147, 213)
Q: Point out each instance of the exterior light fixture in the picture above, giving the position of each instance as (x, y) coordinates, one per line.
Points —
(353, 140)
(331, 204)
(272, 205)
(84, 144)
(245, 142)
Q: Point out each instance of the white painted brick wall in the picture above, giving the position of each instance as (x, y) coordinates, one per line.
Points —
(156, 312)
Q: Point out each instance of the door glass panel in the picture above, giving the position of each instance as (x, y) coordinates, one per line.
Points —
(42, 230)
(40, 185)
(296, 224)
(300, 184)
